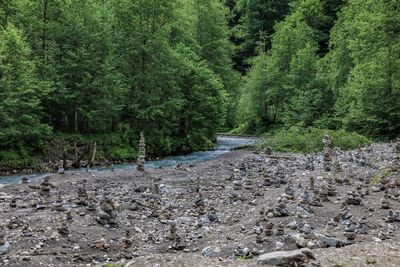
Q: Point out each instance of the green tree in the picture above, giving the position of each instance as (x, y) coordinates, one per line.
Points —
(21, 92)
(364, 65)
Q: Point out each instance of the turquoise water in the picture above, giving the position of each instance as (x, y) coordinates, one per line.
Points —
(224, 145)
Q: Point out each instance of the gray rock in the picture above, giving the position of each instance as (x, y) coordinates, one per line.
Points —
(326, 242)
(4, 249)
(286, 258)
(210, 251)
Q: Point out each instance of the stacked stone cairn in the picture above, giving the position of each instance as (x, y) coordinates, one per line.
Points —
(316, 201)
(63, 229)
(385, 200)
(269, 228)
(82, 198)
(108, 213)
(45, 186)
(281, 209)
(327, 153)
(142, 153)
(58, 205)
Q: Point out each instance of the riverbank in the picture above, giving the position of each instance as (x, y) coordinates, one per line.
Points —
(213, 213)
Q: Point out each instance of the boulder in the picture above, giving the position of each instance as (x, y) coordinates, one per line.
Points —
(286, 258)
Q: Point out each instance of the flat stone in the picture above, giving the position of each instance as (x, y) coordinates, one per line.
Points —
(286, 258)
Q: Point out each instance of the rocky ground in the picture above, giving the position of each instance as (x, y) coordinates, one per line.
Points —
(341, 208)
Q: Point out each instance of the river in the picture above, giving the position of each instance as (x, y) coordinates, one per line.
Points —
(224, 145)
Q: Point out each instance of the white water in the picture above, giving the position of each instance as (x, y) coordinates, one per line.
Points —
(224, 145)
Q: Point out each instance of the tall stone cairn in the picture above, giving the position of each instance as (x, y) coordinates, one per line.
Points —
(327, 153)
(142, 153)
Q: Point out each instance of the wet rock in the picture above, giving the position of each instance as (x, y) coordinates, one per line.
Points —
(286, 258)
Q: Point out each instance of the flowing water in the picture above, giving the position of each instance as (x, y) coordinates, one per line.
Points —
(224, 145)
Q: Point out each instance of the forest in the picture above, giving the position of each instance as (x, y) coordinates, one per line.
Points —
(183, 70)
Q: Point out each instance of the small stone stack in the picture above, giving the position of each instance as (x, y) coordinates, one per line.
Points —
(58, 205)
(45, 186)
(362, 226)
(330, 228)
(81, 199)
(142, 153)
(259, 232)
(289, 191)
(385, 200)
(331, 188)
(327, 153)
(91, 204)
(108, 213)
(4, 245)
(173, 230)
(212, 214)
(280, 176)
(312, 183)
(200, 204)
(344, 215)
(127, 240)
(13, 203)
(353, 198)
(323, 193)
(281, 209)
(63, 229)
(316, 201)
(280, 229)
(269, 228)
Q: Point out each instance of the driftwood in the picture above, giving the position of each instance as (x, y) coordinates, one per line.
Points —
(93, 156)
(77, 162)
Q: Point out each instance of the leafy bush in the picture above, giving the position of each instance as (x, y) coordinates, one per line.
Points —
(14, 159)
(309, 140)
(124, 153)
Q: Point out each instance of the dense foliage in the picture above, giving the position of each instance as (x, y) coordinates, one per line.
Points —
(182, 70)
(353, 84)
(91, 69)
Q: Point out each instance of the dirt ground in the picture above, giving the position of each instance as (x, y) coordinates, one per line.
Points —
(206, 214)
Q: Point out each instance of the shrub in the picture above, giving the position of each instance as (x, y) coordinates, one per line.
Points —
(309, 140)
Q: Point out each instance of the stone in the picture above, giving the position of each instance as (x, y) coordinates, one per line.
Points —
(212, 215)
(324, 241)
(5, 248)
(61, 170)
(242, 251)
(24, 180)
(286, 258)
(13, 203)
(393, 217)
(142, 153)
(211, 251)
